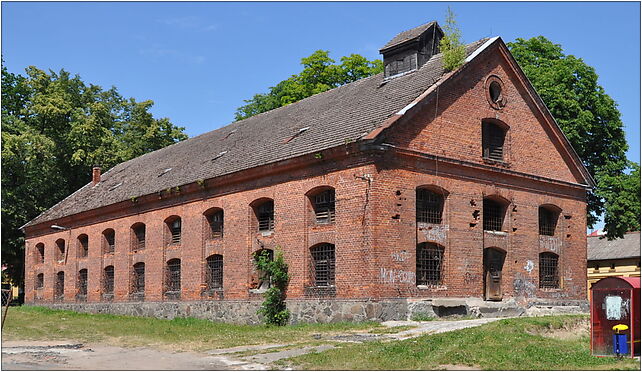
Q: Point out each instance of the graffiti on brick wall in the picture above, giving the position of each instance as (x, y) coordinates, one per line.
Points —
(529, 266)
(470, 278)
(524, 286)
(400, 256)
(435, 233)
(396, 276)
(550, 243)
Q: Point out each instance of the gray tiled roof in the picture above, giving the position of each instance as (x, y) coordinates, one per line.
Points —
(408, 35)
(604, 249)
(344, 113)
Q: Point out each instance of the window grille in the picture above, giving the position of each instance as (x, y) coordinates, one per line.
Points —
(139, 237)
(324, 206)
(60, 252)
(493, 137)
(548, 271)
(109, 241)
(429, 206)
(40, 253)
(214, 272)
(215, 222)
(429, 264)
(59, 286)
(40, 281)
(493, 215)
(265, 214)
(138, 280)
(547, 221)
(82, 285)
(175, 231)
(108, 280)
(83, 245)
(324, 265)
(173, 278)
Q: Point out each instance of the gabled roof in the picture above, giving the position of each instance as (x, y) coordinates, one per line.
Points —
(346, 113)
(599, 248)
(408, 35)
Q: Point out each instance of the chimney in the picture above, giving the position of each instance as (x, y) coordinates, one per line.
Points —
(409, 50)
(95, 177)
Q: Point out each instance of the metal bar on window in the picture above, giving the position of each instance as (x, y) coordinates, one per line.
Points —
(324, 265)
(429, 264)
(429, 206)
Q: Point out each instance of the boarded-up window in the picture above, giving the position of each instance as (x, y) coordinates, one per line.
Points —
(83, 245)
(430, 206)
(493, 138)
(138, 281)
(108, 281)
(109, 241)
(429, 264)
(40, 253)
(265, 216)
(214, 272)
(138, 239)
(40, 281)
(548, 271)
(493, 215)
(59, 286)
(323, 260)
(81, 295)
(323, 204)
(173, 278)
(215, 223)
(547, 221)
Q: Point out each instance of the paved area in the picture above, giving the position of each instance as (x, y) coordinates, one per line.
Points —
(68, 355)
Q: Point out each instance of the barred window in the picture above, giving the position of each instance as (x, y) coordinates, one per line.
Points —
(173, 278)
(82, 285)
(138, 279)
(548, 271)
(493, 215)
(83, 245)
(429, 206)
(108, 280)
(214, 272)
(215, 223)
(429, 264)
(323, 204)
(174, 227)
(109, 241)
(40, 281)
(138, 238)
(493, 137)
(40, 253)
(60, 249)
(59, 286)
(324, 264)
(265, 216)
(547, 221)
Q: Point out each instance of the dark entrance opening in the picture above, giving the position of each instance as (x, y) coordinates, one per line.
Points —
(493, 264)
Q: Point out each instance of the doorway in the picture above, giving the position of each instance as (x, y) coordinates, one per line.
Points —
(493, 264)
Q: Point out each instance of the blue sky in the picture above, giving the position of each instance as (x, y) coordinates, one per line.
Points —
(198, 61)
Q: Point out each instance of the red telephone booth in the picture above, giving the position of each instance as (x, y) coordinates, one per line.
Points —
(615, 301)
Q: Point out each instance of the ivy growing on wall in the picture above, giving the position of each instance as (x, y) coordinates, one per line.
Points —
(275, 271)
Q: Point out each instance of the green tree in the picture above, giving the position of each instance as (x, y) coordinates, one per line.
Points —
(590, 120)
(450, 45)
(275, 271)
(622, 201)
(55, 128)
(320, 73)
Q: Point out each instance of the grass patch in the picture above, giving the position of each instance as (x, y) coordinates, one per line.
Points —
(179, 334)
(509, 344)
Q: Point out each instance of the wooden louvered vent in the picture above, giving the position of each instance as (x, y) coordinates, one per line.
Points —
(493, 138)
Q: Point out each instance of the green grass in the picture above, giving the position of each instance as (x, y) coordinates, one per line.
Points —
(510, 344)
(39, 323)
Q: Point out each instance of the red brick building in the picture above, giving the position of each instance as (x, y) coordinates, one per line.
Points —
(384, 195)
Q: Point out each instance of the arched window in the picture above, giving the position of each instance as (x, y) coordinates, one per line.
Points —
(138, 281)
(430, 205)
(40, 281)
(138, 236)
(173, 225)
(429, 264)
(109, 241)
(323, 205)
(173, 278)
(39, 253)
(494, 212)
(264, 212)
(214, 272)
(214, 219)
(493, 138)
(83, 245)
(59, 286)
(108, 282)
(323, 262)
(60, 249)
(548, 270)
(548, 216)
(82, 285)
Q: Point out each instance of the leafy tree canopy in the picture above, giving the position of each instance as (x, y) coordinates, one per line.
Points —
(320, 73)
(55, 128)
(591, 121)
